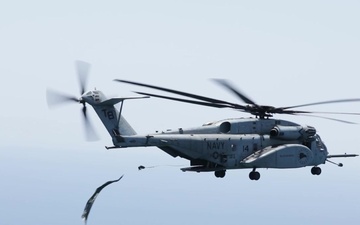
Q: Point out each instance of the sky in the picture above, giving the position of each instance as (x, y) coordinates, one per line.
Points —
(279, 53)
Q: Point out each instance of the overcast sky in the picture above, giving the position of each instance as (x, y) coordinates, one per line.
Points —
(279, 53)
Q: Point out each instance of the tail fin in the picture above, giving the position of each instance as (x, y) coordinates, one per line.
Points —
(112, 119)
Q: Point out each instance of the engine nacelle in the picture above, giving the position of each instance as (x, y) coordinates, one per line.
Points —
(293, 132)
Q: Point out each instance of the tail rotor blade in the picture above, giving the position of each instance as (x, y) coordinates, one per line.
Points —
(84, 110)
(90, 133)
(56, 98)
(82, 69)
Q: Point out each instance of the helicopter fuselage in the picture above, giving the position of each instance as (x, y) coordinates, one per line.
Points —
(238, 143)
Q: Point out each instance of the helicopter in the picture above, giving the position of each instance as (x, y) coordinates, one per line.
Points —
(237, 143)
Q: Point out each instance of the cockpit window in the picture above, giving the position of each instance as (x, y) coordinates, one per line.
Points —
(319, 143)
(208, 124)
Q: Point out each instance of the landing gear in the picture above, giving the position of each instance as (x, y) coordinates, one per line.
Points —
(220, 173)
(316, 170)
(254, 175)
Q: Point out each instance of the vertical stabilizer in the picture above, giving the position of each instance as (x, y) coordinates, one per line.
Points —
(112, 119)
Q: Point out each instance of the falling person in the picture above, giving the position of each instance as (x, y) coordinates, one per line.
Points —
(90, 202)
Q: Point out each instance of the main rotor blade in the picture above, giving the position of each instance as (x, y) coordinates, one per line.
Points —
(90, 133)
(324, 102)
(82, 69)
(328, 118)
(199, 97)
(56, 98)
(225, 84)
(280, 111)
(335, 113)
(215, 105)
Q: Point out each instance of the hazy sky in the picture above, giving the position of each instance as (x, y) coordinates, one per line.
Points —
(279, 53)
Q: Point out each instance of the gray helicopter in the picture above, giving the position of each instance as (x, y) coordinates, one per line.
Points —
(242, 143)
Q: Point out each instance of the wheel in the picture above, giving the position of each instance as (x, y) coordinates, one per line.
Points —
(257, 175)
(220, 173)
(251, 175)
(254, 175)
(313, 170)
(316, 170)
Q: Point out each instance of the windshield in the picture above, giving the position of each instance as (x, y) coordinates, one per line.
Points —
(319, 143)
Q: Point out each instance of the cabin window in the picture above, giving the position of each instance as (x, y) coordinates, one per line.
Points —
(225, 127)
(255, 147)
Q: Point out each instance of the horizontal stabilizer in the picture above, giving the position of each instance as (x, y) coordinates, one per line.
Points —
(113, 101)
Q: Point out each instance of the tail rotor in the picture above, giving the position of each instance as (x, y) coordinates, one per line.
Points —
(56, 98)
